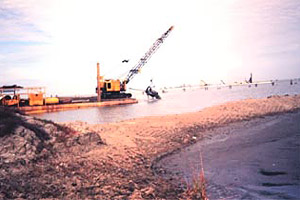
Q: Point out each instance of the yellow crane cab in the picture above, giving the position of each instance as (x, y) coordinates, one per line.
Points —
(115, 88)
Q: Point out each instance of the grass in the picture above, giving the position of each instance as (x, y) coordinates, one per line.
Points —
(197, 189)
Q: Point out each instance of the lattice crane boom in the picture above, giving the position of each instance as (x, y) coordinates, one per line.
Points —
(147, 55)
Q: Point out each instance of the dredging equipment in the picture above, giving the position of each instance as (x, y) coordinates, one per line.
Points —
(32, 100)
(116, 88)
(152, 93)
(109, 91)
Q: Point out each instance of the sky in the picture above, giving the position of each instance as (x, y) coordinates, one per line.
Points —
(57, 43)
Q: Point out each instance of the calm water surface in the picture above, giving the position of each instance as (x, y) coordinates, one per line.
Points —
(172, 102)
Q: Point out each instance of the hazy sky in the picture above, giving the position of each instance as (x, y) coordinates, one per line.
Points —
(57, 43)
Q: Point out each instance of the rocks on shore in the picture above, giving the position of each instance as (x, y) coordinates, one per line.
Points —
(32, 149)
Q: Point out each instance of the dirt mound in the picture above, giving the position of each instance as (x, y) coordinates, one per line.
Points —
(23, 145)
(79, 144)
(24, 138)
(33, 151)
(21, 140)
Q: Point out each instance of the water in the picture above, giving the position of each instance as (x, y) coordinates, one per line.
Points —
(234, 157)
(173, 102)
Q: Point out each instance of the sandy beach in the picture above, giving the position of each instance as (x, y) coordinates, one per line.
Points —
(76, 160)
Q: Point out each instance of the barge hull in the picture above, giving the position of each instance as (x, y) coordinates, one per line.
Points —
(62, 107)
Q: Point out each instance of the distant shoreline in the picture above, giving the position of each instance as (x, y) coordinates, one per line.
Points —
(173, 102)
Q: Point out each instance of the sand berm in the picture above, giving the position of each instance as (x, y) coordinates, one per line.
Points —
(41, 159)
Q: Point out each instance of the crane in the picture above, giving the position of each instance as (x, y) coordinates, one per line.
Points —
(147, 55)
(111, 89)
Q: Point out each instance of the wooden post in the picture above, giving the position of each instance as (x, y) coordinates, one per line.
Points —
(98, 84)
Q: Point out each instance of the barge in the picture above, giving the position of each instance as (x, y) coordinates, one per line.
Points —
(69, 106)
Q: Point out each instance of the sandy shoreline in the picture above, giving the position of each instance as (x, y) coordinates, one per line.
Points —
(119, 165)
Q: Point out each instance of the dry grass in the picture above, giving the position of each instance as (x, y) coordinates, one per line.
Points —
(197, 188)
